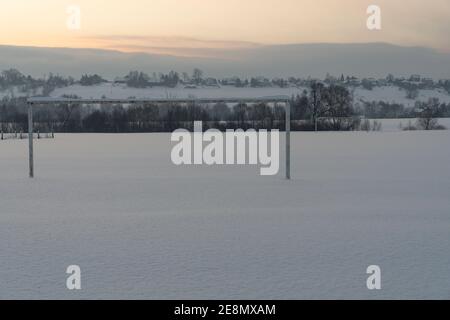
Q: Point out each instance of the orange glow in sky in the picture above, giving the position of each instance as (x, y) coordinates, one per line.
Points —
(181, 26)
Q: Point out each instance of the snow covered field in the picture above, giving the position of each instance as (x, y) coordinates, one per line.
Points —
(139, 227)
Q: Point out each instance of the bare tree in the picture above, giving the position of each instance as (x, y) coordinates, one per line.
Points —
(428, 112)
(316, 101)
(197, 75)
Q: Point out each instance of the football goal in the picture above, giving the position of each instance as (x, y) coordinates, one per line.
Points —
(37, 101)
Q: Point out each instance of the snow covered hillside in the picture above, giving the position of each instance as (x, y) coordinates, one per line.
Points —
(388, 94)
(392, 94)
(116, 91)
(140, 227)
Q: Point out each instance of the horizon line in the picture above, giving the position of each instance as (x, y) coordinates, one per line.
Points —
(260, 45)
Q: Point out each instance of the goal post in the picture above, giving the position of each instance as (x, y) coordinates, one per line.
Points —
(30, 140)
(52, 101)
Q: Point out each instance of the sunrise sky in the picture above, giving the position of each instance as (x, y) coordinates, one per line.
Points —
(182, 26)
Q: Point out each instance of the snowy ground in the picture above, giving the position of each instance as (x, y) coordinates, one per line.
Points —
(387, 94)
(122, 91)
(140, 227)
(391, 94)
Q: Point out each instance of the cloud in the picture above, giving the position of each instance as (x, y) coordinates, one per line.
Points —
(177, 46)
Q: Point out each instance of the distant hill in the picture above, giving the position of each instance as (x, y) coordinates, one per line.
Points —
(303, 60)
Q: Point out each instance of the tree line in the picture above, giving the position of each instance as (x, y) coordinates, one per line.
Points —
(322, 107)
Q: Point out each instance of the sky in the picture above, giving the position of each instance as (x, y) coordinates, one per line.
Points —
(188, 27)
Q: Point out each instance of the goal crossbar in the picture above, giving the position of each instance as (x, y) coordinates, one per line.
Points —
(53, 101)
(268, 99)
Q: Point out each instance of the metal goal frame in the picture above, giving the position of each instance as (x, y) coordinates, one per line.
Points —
(31, 102)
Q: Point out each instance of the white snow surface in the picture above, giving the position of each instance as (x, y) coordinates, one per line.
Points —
(391, 94)
(119, 91)
(140, 227)
(387, 94)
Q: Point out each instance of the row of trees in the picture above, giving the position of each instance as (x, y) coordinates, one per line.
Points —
(138, 118)
(385, 110)
(321, 108)
(331, 102)
(12, 78)
(136, 79)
